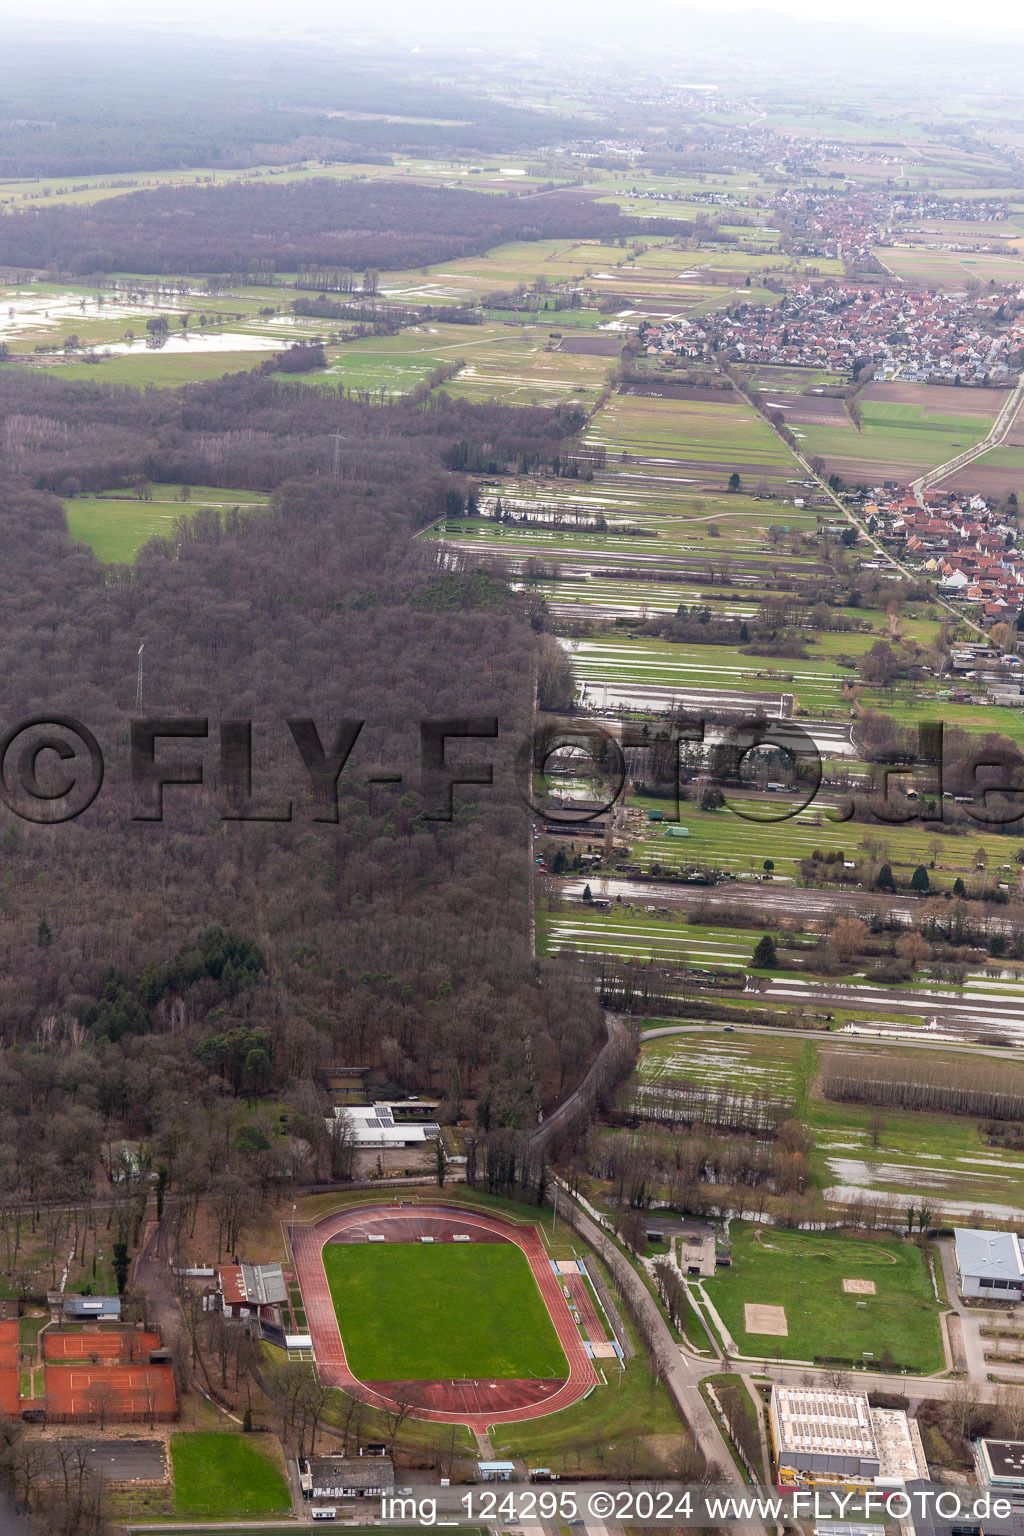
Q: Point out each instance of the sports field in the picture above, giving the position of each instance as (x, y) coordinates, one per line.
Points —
(803, 1272)
(478, 1312)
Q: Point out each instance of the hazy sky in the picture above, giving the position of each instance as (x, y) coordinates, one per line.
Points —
(242, 16)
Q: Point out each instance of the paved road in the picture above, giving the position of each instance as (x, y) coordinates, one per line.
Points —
(681, 1374)
(617, 1031)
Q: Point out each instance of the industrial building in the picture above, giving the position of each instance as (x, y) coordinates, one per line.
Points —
(820, 1436)
(989, 1265)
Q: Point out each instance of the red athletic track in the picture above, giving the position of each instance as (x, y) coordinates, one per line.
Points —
(584, 1304)
(476, 1404)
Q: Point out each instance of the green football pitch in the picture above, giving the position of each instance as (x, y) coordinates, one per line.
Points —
(441, 1311)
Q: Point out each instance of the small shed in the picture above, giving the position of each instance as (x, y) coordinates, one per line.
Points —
(677, 831)
(655, 815)
(496, 1471)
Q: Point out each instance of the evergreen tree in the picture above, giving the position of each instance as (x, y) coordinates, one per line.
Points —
(959, 889)
(884, 880)
(919, 880)
(121, 1266)
(765, 956)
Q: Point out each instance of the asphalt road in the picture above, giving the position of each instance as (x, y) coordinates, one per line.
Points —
(681, 1375)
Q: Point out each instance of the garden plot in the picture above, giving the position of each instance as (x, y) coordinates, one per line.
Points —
(641, 936)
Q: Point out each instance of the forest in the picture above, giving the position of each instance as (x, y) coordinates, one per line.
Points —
(154, 976)
(83, 100)
(263, 227)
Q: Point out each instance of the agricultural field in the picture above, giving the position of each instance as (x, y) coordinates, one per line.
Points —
(951, 269)
(897, 439)
(803, 1273)
(478, 1312)
(225, 1475)
(858, 1153)
(154, 369)
(116, 525)
(687, 440)
(738, 839)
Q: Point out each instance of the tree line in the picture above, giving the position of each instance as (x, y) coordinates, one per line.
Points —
(986, 1089)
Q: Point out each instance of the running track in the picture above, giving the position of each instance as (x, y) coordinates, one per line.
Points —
(407, 1223)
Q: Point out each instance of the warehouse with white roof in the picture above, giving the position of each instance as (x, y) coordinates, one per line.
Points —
(989, 1265)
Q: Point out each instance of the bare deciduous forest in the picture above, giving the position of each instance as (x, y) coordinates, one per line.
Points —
(152, 971)
(254, 228)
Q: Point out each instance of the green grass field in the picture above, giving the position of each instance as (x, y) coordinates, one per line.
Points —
(478, 1312)
(116, 525)
(141, 369)
(225, 1474)
(804, 1272)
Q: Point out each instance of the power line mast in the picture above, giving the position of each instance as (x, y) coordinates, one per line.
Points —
(138, 682)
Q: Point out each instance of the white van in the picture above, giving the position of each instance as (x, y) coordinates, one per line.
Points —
(329, 1513)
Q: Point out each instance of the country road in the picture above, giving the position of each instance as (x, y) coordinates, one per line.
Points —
(862, 529)
(681, 1374)
(997, 434)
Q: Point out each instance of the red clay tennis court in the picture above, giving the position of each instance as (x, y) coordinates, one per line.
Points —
(10, 1399)
(120, 1394)
(126, 1346)
(478, 1404)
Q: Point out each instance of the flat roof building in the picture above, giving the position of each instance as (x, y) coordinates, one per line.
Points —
(821, 1436)
(901, 1457)
(376, 1125)
(100, 1309)
(989, 1265)
(1000, 1464)
(246, 1286)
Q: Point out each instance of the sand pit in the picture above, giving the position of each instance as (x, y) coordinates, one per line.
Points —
(759, 1318)
(859, 1287)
